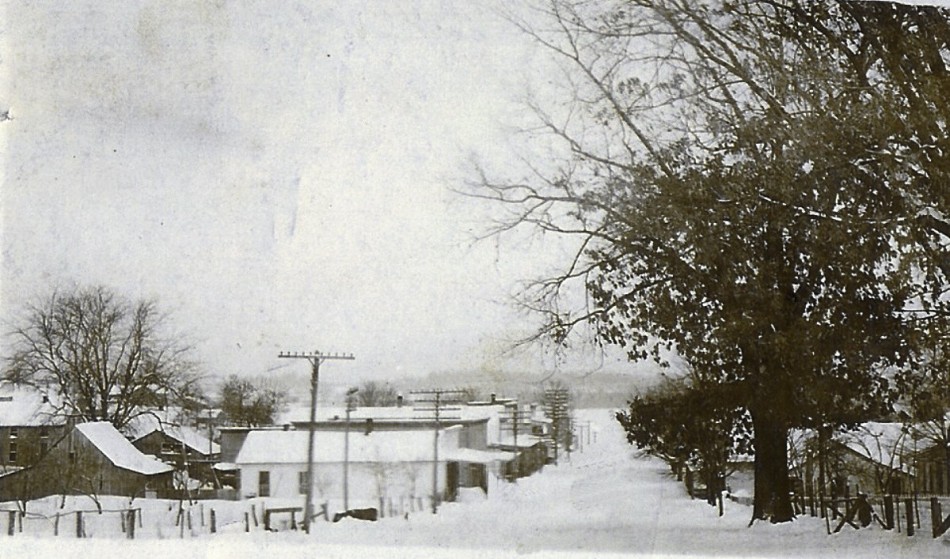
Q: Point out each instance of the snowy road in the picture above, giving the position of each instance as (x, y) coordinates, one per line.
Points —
(604, 501)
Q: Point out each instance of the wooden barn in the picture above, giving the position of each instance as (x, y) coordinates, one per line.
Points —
(92, 459)
(184, 447)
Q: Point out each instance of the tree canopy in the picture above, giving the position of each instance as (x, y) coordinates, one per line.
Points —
(755, 186)
(251, 402)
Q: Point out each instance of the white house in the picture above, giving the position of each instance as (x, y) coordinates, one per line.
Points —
(392, 465)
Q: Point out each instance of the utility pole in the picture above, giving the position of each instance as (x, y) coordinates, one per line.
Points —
(350, 406)
(517, 421)
(438, 399)
(557, 409)
(315, 358)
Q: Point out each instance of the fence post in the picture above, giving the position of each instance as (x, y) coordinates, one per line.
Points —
(56, 525)
(19, 521)
(79, 524)
(909, 508)
(214, 527)
(935, 516)
(254, 515)
(247, 522)
(11, 529)
(131, 532)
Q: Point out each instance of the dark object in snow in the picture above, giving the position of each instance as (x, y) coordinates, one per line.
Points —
(863, 510)
(359, 514)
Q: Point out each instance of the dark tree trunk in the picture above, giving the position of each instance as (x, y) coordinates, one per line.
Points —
(771, 500)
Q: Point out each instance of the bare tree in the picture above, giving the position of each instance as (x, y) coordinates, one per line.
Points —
(251, 402)
(99, 356)
(372, 393)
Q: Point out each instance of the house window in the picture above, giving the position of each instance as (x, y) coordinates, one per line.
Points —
(14, 432)
(12, 451)
(44, 440)
(263, 483)
(302, 482)
(168, 448)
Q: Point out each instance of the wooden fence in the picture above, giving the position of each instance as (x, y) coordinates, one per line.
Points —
(129, 523)
(907, 514)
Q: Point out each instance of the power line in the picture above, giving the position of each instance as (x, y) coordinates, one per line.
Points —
(315, 358)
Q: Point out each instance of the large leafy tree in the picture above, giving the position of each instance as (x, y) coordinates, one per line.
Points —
(688, 425)
(752, 187)
(101, 357)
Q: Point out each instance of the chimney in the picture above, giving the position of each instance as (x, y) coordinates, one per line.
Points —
(493, 398)
(399, 401)
(369, 425)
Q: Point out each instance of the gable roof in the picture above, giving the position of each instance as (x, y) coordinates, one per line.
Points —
(118, 450)
(887, 444)
(148, 423)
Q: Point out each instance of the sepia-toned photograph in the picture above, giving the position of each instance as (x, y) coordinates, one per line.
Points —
(488, 278)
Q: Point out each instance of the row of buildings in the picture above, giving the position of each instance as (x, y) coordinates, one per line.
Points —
(396, 453)
(364, 456)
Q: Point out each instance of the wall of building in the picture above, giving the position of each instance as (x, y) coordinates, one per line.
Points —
(23, 446)
(171, 451)
(75, 466)
(368, 482)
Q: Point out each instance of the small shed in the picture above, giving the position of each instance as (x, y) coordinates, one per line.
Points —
(184, 447)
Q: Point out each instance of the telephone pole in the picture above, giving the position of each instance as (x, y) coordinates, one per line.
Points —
(557, 408)
(438, 401)
(350, 406)
(315, 358)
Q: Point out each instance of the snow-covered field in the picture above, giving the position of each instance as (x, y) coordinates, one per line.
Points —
(606, 501)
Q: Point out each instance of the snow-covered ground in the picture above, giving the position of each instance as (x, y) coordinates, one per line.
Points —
(605, 501)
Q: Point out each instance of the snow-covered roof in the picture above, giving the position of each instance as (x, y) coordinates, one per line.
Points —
(475, 456)
(25, 407)
(146, 424)
(489, 411)
(525, 439)
(290, 447)
(884, 443)
(111, 443)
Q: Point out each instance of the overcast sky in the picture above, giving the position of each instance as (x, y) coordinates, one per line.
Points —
(277, 175)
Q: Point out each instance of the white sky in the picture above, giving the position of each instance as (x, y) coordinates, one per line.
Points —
(277, 175)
